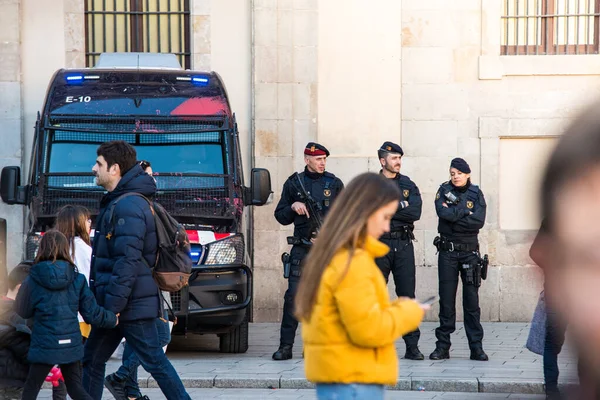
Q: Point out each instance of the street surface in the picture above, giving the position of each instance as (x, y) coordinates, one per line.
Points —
(253, 375)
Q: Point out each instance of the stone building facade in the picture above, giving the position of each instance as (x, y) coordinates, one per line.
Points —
(350, 74)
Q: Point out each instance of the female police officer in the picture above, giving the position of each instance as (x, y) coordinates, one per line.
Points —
(460, 206)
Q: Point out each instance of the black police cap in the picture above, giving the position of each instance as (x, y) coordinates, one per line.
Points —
(390, 147)
(460, 165)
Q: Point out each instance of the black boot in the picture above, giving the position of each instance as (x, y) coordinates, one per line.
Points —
(440, 354)
(413, 353)
(283, 353)
(116, 386)
(479, 355)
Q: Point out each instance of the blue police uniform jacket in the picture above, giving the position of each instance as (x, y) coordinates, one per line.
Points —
(324, 188)
(456, 223)
(406, 217)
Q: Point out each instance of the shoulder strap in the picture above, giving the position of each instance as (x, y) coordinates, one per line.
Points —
(113, 205)
(329, 178)
(474, 190)
(301, 174)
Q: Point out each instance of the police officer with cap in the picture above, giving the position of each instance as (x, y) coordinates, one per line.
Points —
(461, 209)
(323, 187)
(400, 261)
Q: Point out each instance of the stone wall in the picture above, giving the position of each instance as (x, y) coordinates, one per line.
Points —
(428, 75)
(349, 74)
(285, 113)
(10, 116)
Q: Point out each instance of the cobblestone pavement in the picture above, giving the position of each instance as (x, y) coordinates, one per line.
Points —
(309, 394)
(511, 369)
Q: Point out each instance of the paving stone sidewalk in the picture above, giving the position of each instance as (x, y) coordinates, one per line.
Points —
(511, 369)
(309, 394)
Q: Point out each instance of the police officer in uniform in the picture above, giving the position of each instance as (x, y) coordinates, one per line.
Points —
(461, 209)
(400, 261)
(323, 187)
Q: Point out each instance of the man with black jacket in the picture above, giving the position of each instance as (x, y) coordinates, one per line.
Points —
(15, 338)
(400, 261)
(120, 277)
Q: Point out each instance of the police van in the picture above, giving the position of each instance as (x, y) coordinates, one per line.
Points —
(182, 123)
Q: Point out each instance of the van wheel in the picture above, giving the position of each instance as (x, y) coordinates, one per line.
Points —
(236, 340)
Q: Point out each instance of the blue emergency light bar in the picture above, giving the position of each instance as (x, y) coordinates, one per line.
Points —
(74, 78)
(80, 78)
(200, 80)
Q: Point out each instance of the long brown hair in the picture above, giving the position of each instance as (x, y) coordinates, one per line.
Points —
(71, 221)
(54, 246)
(345, 228)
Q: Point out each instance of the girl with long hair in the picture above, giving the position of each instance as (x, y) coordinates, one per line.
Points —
(349, 324)
(74, 222)
(52, 295)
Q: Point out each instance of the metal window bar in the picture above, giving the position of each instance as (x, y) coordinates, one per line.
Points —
(142, 27)
(556, 26)
(577, 22)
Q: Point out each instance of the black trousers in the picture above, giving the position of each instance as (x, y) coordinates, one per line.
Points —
(400, 261)
(71, 373)
(289, 323)
(449, 269)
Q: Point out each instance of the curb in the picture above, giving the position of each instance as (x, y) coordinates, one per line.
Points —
(460, 385)
(275, 381)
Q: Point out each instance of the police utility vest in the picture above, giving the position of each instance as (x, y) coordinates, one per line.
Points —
(321, 191)
(469, 200)
(407, 188)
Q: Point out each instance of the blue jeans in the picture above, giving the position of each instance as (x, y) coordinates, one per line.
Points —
(128, 372)
(142, 336)
(352, 391)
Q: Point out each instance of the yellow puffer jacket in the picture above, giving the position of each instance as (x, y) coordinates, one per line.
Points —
(351, 333)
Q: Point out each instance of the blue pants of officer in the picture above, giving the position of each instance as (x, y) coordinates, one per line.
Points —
(449, 269)
(289, 323)
(400, 261)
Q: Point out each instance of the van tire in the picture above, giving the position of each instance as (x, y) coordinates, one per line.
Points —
(236, 340)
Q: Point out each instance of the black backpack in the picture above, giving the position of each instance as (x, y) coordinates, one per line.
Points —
(173, 266)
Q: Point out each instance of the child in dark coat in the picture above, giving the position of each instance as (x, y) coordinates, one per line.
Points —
(15, 336)
(52, 296)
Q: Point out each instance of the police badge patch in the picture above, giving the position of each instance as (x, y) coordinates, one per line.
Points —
(469, 204)
(437, 196)
(405, 192)
(327, 193)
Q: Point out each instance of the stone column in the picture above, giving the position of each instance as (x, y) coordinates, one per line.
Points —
(285, 107)
(10, 116)
(201, 35)
(74, 33)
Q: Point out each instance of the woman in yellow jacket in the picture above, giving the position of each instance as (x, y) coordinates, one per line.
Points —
(349, 325)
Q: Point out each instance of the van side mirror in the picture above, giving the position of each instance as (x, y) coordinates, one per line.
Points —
(260, 187)
(11, 190)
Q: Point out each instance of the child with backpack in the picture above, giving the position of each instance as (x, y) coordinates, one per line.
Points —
(52, 296)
